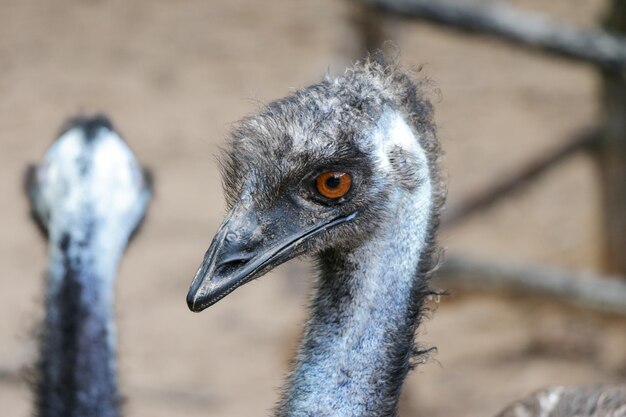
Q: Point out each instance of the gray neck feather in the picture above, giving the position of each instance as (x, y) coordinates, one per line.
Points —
(357, 345)
(78, 361)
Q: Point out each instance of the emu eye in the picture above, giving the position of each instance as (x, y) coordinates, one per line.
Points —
(333, 184)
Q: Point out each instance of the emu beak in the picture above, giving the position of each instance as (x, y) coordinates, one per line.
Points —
(244, 248)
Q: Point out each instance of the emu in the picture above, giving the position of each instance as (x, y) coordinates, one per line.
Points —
(347, 171)
(88, 196)
(574, 401)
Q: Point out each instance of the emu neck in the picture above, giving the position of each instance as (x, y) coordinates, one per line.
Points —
(357, 345)
(78, 360)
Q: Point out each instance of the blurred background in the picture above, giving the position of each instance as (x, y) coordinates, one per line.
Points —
(173, 76)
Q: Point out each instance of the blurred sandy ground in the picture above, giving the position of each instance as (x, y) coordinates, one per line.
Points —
(173, 76)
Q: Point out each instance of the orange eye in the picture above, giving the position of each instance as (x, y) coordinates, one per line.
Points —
(333, 184)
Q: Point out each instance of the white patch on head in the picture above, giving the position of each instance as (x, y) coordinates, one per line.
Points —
(401, 135)
(86, 183)
(392, 131)
(58, 169)
(115, 174)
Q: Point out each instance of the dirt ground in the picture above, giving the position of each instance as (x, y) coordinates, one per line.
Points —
(174, 75)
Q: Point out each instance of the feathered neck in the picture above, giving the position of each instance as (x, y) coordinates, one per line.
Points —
(77, 367)
(358, 343)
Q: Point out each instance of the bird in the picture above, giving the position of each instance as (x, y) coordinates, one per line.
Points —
(88, 196)
(346, 171)
(595, 400)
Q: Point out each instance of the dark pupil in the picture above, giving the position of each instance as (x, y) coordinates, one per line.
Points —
(333, 182)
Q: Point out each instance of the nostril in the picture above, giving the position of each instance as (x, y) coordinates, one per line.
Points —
(235, 262)
(231, 263)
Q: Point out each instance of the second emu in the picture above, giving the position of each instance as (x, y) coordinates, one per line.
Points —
(88, 196)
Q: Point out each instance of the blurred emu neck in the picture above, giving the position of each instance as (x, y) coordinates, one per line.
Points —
(357, 345)
(78, 360)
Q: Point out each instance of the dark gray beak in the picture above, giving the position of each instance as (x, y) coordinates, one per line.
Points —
(246, 246)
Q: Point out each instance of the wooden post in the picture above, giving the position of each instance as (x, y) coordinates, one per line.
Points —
(369, 24)
(372, 28)
(611, 155)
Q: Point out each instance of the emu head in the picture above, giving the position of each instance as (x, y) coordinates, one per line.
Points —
(319, 170)
(88, 182)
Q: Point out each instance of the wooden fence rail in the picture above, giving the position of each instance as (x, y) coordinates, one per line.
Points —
(528, 29)
(600, 293)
